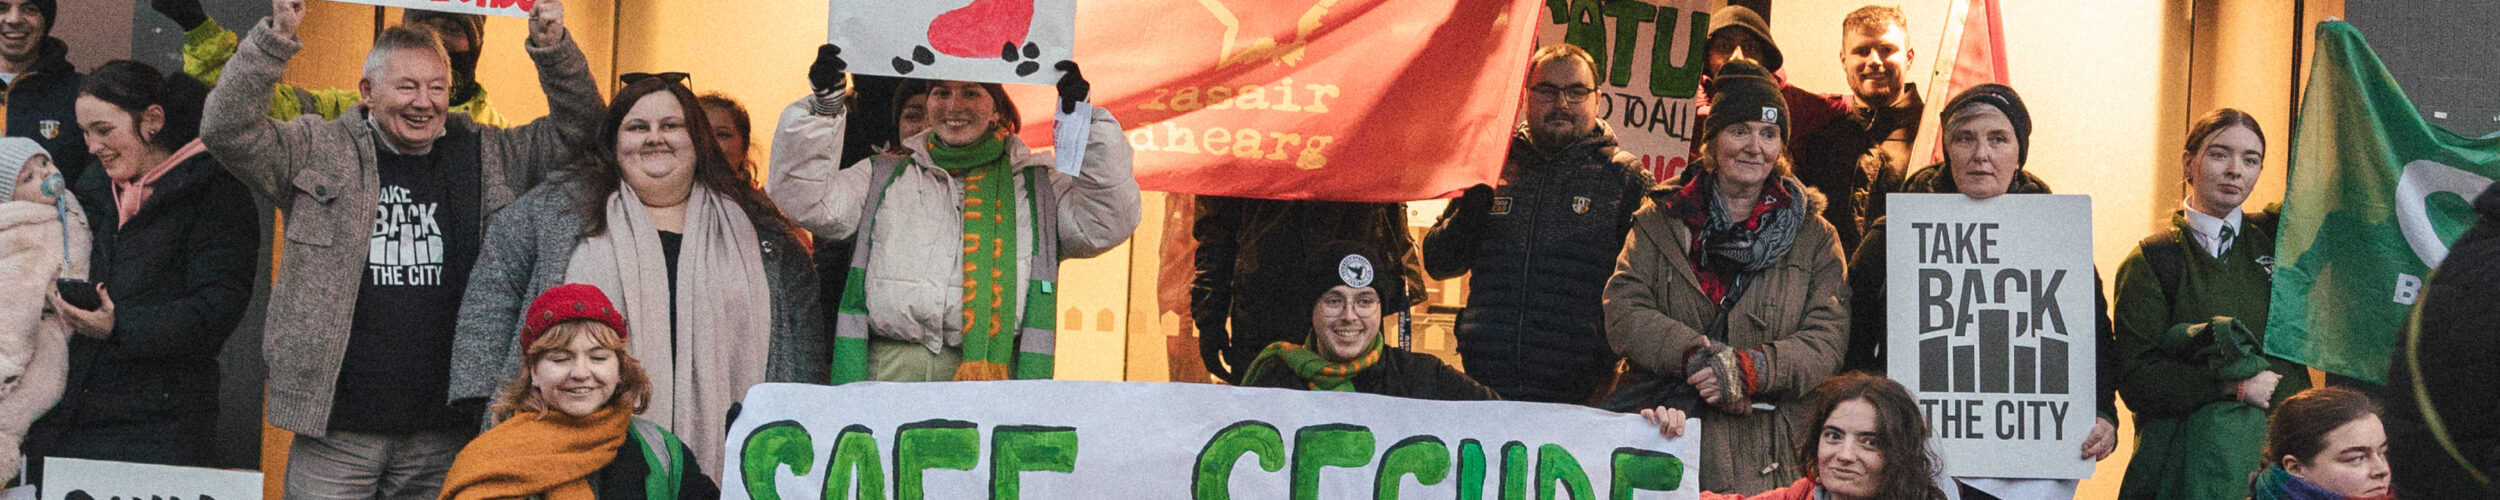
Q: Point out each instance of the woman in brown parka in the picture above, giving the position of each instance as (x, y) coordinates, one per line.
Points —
(1732, 284)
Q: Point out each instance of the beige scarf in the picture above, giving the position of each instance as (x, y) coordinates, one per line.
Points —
(720, 286)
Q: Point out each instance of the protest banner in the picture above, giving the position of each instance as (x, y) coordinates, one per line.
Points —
(2376, 196)
(502, 8)
(1651, 53)
(1991, 310)
(1004, 41)
(75, 479)
(1341, 100)
(1109, 440)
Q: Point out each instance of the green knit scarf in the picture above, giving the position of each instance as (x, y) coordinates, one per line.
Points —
(1323, 374)
(990, 271)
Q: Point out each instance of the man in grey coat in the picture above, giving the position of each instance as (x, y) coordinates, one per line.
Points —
(384, 210)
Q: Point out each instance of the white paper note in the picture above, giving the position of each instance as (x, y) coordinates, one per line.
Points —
(1069, 137)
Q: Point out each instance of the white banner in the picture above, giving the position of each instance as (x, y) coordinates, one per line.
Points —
(1105, 440)
(75, 479)
(1648, 80)
(1992, 326)
(1005, 41)
(504, 8)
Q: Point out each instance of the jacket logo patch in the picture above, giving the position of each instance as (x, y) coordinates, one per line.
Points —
(1501, 205)
(1579, 204)
(51, 129)
(2266, 262)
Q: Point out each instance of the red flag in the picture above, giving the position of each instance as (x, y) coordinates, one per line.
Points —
(1347, 100)
(1979, 58)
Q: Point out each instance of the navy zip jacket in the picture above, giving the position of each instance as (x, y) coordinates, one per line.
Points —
(1541, 247)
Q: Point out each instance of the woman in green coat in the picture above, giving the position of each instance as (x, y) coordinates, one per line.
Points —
(2191, 314)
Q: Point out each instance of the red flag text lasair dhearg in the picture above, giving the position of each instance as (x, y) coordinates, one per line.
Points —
(1348, 100)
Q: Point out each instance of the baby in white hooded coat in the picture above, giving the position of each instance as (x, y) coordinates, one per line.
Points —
(34, 341)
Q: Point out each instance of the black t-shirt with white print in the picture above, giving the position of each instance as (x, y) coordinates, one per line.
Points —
(396, 377)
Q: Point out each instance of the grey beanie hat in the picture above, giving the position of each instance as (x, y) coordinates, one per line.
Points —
(14, 151)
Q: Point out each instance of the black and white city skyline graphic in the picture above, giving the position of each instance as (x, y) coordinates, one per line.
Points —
(407, 247)
(1995, 351)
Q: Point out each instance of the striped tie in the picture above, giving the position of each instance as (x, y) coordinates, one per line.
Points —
(2224, 244)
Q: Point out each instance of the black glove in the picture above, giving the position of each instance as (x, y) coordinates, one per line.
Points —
(1477, 200)
(1072, 87)
(825, 74)
(186, 13)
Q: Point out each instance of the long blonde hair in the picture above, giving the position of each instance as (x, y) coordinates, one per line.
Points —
(633, 387)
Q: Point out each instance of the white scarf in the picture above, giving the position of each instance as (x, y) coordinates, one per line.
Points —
(720, 286)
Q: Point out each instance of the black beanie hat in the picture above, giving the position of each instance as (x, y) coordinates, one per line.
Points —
(1739, 17)
(2002, 98)
(1744, 92)
(1344, 263)
(474, 24)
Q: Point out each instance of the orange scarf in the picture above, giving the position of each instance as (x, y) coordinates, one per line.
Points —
(547, 454)
(128, 195)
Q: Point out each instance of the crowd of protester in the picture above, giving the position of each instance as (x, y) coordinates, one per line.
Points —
(474, 308)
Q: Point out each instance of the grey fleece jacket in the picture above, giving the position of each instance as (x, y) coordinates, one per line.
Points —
(529, 246)
(323, 174)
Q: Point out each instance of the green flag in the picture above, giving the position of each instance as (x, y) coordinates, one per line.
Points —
(2376, 196)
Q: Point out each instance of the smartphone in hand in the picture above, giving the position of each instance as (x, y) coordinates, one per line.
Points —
(79, 293)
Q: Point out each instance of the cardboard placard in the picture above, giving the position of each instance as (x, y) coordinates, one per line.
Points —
(1004, 41)
(1991, 326)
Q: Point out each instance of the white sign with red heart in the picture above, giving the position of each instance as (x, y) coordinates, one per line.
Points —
(1004, 41)
(504, 8)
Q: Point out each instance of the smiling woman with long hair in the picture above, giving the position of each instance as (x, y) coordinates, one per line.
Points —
(1870, 443)
(713, 277)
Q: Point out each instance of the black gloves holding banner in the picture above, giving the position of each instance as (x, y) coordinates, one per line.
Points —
(826, 74)
(1072, 87)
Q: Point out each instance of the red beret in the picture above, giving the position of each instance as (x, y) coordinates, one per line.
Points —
(569, 302)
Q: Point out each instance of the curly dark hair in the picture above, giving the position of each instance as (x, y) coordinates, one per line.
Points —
(1901, 434)
(596, 169)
